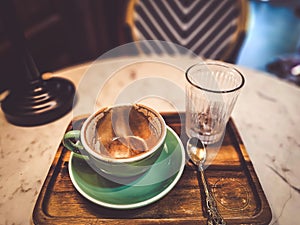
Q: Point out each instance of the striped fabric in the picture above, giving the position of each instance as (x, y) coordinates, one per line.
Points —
(206, 27)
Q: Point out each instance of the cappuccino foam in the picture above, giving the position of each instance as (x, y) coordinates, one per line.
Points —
(127, 131)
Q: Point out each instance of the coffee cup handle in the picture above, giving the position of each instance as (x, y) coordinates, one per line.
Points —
(68, 142)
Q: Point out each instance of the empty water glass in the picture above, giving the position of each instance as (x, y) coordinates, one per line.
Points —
(212, 89)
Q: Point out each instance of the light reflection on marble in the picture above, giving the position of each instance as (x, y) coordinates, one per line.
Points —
(266, 115)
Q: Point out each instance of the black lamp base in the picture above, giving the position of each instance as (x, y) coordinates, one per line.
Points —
(40, 102)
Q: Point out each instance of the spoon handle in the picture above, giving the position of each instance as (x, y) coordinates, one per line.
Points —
(214, 217)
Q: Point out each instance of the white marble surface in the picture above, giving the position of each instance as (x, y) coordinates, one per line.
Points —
(266, 115)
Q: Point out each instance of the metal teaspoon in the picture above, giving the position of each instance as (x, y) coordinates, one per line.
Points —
(197, 153)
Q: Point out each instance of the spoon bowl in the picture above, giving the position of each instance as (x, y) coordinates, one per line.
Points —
(196, 151)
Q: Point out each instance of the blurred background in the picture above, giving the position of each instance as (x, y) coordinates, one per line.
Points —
(63, 33)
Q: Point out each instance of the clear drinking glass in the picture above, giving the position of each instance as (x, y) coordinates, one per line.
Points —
(212, 89)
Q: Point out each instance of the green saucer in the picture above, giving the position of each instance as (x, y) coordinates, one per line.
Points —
(143, 190)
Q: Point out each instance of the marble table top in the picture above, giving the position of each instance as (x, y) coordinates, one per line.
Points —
(266, 115)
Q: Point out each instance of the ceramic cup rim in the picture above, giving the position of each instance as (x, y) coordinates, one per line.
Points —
(137, 158)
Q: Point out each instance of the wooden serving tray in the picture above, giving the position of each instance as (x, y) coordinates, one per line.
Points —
(231, 177)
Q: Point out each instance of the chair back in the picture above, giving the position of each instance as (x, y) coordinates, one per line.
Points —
(213, 29)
